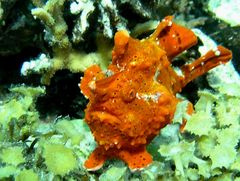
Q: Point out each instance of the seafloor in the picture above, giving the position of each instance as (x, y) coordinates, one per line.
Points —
(45, 46)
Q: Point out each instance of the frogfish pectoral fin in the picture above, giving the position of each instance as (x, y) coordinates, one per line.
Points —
(96, 160)
(135, 158)
(203, 64)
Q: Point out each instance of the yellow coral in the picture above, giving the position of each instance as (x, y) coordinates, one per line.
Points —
(12, 155)
(59, 159)
(27, 175)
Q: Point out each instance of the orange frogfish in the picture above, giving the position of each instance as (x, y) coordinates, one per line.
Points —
(131, 101)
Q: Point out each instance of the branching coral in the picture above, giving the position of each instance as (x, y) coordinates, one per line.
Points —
(84, 9)
(88, 19)
(51, 14)
(64, 56)
(108, 17)
(65, 59)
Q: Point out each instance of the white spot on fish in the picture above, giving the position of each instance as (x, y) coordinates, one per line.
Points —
(92, 85)
(217, 53)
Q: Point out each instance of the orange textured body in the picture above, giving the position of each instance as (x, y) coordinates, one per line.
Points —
(134, 98)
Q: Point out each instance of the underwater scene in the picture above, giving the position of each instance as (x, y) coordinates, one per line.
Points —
(119, 90)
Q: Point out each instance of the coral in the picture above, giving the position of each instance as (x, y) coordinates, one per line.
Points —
(195, 156)
(41, 64)
(181, 153)
(214, 128)
(51, 14)
(108, 18)
(66, 147)
(73, 60)
(115, 172)
(59, 159)
(27, 175)
(104, 16)
(212, 147)
(219, 7)
(17, 116)
(18, 120)
(7, 171)
(84, 9)
(49, 149)
(12, 156)
(199, 119)
(65, 59)
(69, 131)
(135, 98)
(110, 15)
(229, 77)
